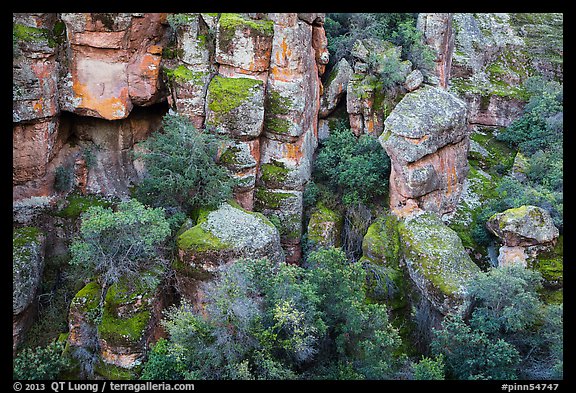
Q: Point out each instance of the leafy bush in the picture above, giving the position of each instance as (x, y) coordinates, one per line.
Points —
(266, 321)
(510, 331)
(356, 168)
(343, 29)
(429, 369)
(119, 244)
(40, 363)
(540, 125)
(181, 167)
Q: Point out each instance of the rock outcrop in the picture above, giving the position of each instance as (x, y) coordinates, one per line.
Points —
(256, 80)
(220, 237)
(325, 227)
(436, 261)
(524, 232)
(437, 32)
(427, 140)
(27, 268)
(120, 332)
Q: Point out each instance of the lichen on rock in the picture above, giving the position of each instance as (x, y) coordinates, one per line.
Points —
(436, 260)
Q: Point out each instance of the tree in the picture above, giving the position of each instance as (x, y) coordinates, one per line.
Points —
(265, 321)
(429, 369)
(357, 168)
(182, 172)
(120, 244)
(511, 332)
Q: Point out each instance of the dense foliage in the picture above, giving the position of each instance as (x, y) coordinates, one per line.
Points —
(343, 29)
(263, 321)
(182, 172)
(43, 363)
(358, 169)
(538, 136)
(120, 244)
(511, 332)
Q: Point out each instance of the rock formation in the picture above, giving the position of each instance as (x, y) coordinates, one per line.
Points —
(427, 141)
(438, 34)
(524, 231)
(220, 237)
(27, 268)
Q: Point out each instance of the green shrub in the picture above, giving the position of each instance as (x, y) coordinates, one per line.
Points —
(429, 369)
(182, 169)
(267, 321)
(358, 169)
(511, 332)
(120, 244)
(42, 363)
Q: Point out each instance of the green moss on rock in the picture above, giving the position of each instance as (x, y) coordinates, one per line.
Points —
(226, 94)
(229, 23)
(435, 255)
(88, 298)
(183, 74)
(274, 173)
(124, 327)
(113, 372)
(325, 226)
(551, 264)
(268, 199)
(381, 244)
(78, 204)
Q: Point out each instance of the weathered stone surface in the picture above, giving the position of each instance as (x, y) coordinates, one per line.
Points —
(511, 255)
(244, 43)
(436, 261)
(325, 227)
(33, 147)
(227, 234)
(188, 68)
(414, 80)
(437, 31)
(235, 106)
(336, 86)
(293, 90)
(520, 167)
(312, 17)
(523, 226)
(27, 267)
(287, 165)
(320, 45)
(112, 63)
(426, 139)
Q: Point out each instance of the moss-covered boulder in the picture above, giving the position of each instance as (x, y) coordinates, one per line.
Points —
(436, 260)
(27, 268)
(226, 234)
(381, 253)
(523, 226)
(325, 227)
(121, 329)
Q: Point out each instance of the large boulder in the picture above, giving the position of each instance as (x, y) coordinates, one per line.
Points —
(27, 268)
(122, 329)
(325, 227)
(436, 261)
(523, 226)
(335, 87)
(227, 234)
(427, 140)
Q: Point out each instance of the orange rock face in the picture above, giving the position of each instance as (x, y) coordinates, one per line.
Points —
(114, 63)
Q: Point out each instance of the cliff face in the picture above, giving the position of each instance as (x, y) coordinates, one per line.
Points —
(252, 77)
